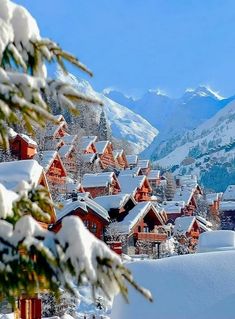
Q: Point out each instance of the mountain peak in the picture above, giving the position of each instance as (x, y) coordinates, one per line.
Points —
(203, 91)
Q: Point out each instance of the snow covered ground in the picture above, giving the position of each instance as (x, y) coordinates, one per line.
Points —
(183, 287)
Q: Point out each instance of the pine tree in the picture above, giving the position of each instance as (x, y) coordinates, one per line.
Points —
(103, 128)
(170, 186)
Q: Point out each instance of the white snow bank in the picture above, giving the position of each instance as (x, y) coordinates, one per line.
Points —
(216, 240)
(183, 287)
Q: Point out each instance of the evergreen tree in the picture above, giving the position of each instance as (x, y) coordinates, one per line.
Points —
(170, 186)
(103, 128)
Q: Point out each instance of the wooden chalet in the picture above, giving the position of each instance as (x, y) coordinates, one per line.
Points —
(154, 178)
(94, 216)
(91, 162)
(13, 173)
(188, 194)
(105, 152)
(137, 186)
(144, 223)
(23, 147)
(118, 206)
(173, 209)
(120, 158)
(187, 226)
(145, 166)
(54, 145)
(88, 144)
(69, 158)
(54, 169)
(105, 183)
(58, 130)
(132, 160)
(134, 171)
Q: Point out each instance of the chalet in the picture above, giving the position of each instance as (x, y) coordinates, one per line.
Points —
(132, 160)
(54, 169)
(73, 187)
(70, 139)
(143, 224)
(204, 225)
(105, 152)
(187, 226)
(135, 171)
(117, 206)
(187, 194)
(173, 209)
(154, 178)
(227, 209)
(120, 158)
(105, 183)
(144, 165)
(23, 147)
(69, 158)
(54, 145)
(88, 144)
(94, 216)
(137, 186)
(90, 162)
(57, 131)
(213, 201)
(13, 173)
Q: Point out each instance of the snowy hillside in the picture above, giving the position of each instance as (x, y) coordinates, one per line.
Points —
(207, 150)
(125, 123)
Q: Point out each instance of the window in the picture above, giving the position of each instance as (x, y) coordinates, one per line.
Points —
(86, 223)
(93, 227)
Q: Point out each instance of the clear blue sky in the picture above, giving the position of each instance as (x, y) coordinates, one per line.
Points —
(134, 45)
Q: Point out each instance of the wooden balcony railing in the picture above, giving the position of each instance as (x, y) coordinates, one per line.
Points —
(155, 237)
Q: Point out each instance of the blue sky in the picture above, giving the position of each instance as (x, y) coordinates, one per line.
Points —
(134, 45)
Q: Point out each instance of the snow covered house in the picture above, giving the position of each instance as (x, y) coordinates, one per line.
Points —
(117, 206)
(120, 158)
(134, 171)
(144, 223)
(23, 147)
(88, 144)
(94, 216)
(99, 184)
(13, 173)
(69, 157)
(173, 209)
(58, 130)
(70, 139)
(188, 194)
(137, 186)
(144, 165)
(187, 226)
(105, 152)
(154, 178)
(132, 160)
(213, 201)
(227, 208)
(54, 169)
(72, 187)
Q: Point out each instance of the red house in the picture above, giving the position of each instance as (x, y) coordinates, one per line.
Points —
(154, 178)
(187, 226)
(88, 144)
(105, 152)
(173, 209)
(120, 158)
(94, 216)
(54, 169)
(23, 147)
(188, 195)
(132, 160)
(69, 158)
(144, 165)
(57, 131)
(137, 186)
(100, 184)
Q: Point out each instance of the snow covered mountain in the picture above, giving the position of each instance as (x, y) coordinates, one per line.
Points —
(208, 151)
(125, 124)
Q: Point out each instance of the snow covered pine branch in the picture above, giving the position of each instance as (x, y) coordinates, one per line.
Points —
(32, 258)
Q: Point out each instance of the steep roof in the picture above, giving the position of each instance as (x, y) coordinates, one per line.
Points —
(130, 171)
(153, 174)
(229, 194)
(12, 173)
(101, 146)
(113, 201)
(143, 163)
(89, 158)
(130, 184)
(98, 180)
(69, 139)
(137, 213)
(84, 203)
(189, 180)
(27, 139)
(183, 224)
(46, 158)
(184, 193)
(132, 159)
(86, 141)
(65, 150)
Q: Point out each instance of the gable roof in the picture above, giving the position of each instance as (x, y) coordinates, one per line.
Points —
(153, 174)
(86, 141)
(101, 146)
(98, 180)
(65, 150)
(229, 194)
(130, 171)
(46, 158)
(84, 203)
(12, 173)
(132, 159)
(130, 184)
(27, 139)
(143, 163)
(89, 158)
(134, 215)
(184, 193)
(184, 224)
(171, 207)
(69, 139)
(114, 201)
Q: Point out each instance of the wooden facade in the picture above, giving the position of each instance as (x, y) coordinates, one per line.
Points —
(143, 192)
(105, 152)
(121, 160)
(23, 147)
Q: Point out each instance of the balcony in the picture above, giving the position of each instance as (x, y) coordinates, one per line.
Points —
(155, 237)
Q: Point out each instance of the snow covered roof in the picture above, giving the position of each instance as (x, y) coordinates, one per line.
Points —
(87, 141)
(65, 150)
(212, 197)
(183, 224)
(54, 144)
(89, 158)
(84, 203)
(153, 174)
(71, 186)
(46, 158)
(117, 153)
(184, 193)
(12, 173)
(52, 129)
(98, 180)
(229, 194)
(132, 159)
(186, 179)
(173, 206)
(134, 215)
(227, 206)
(28, 139)
(101, 146)
(202, 286)
(113, 201)
(69, 139)
(129, 183)
(130, 171)
(216, 240)
(143, 163)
